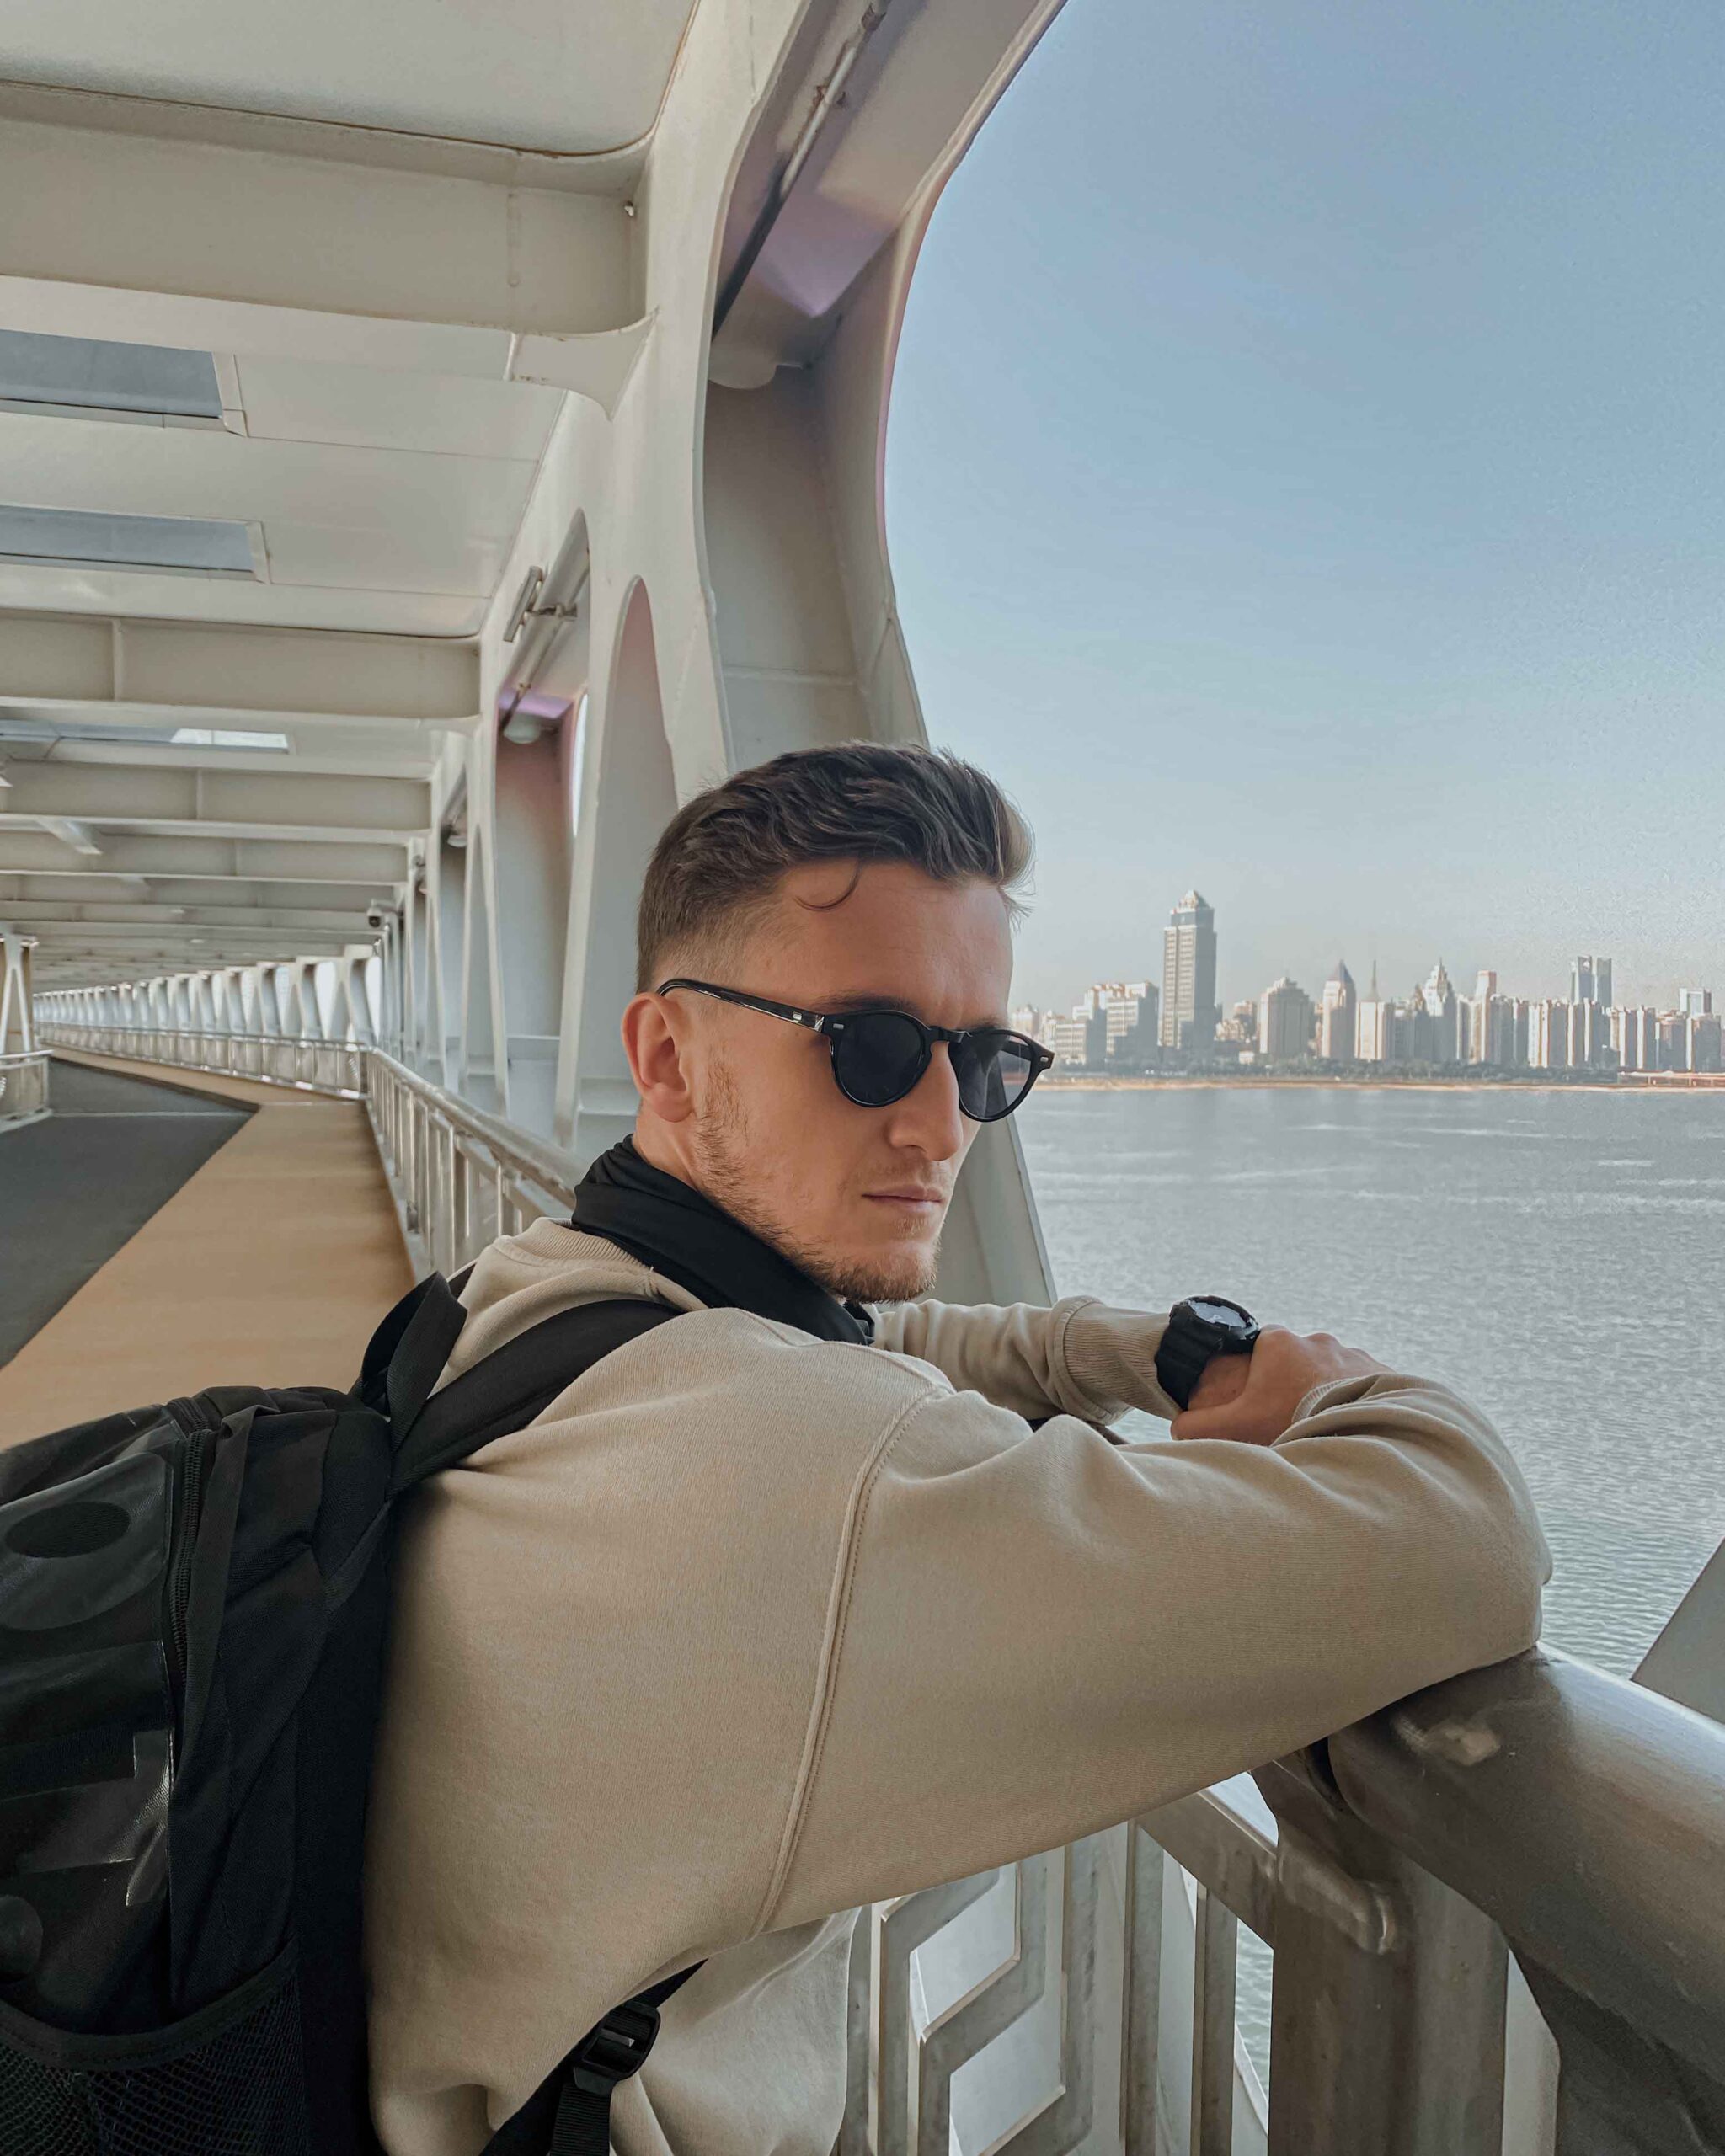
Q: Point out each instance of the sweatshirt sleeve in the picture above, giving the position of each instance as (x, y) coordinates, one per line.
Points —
(1035, 1635)
(1081, 1357)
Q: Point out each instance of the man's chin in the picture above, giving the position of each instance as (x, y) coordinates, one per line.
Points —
(898, 1275)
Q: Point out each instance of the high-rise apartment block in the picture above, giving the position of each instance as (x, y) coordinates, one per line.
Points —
(1376, 1037)
(1131, 1008)
(1189, 1014)
(1112, 1022)
(1548, 1034)
(1695, 1002)
(1284, 1022)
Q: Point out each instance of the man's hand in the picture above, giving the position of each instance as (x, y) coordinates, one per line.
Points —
(1252, 1398)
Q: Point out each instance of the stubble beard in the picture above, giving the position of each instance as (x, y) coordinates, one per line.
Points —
(724, 1150)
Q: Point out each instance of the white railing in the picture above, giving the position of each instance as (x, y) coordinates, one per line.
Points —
(1084, 2003)
(461, 1177)
(24, 1090)
(313, 1066)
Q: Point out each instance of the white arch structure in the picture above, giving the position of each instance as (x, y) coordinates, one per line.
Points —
(709, 509)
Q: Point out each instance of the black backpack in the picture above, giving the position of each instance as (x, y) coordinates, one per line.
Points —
(194, 1600)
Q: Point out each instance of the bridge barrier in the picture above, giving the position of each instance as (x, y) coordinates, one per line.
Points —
(1085, 2000)
(24, 1090)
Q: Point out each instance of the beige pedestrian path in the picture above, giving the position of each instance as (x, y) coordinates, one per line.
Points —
(270, 1265)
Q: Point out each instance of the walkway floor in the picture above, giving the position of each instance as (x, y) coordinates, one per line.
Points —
(271, 1265)
(76, 1185)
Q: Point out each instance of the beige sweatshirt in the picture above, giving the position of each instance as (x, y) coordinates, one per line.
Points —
(749, 1629)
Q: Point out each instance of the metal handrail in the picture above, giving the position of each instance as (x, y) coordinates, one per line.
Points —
(461, 1177)
(1585, 1815)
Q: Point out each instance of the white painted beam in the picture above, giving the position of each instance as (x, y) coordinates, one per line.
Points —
(47, 916)
(129, 853)
(232, 249)
(193, 674)
(191, 801)
(82, 884)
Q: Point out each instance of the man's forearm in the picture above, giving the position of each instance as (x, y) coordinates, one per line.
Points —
(1079, 1357)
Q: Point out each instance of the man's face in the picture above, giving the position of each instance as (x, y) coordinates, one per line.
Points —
(855, 1196)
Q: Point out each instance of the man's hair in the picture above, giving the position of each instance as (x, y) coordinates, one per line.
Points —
(719, 860)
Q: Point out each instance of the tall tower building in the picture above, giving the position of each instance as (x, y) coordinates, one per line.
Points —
(1338, 1025)
(1189, 1019)
(1590, 981)
(1437, 1033)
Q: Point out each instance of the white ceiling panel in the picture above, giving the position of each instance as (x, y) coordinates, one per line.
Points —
(207, 472)
(444, 557)
(447, 415)
(575, 78)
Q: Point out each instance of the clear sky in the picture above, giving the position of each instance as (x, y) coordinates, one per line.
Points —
(1305, 481)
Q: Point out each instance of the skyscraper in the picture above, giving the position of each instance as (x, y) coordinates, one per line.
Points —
(1284, 1022)
(1590, 981)
(1694, 1002)
(1338, 1027)
(1436, 1036)
(1189, 1020)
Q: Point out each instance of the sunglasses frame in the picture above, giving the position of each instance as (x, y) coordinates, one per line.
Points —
(834, 1024)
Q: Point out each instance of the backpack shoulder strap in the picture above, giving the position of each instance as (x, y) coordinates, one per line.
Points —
(568, 2114)
(506, 1391)
(406, 1355)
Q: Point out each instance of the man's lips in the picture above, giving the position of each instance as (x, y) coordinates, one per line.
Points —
(910, 1194)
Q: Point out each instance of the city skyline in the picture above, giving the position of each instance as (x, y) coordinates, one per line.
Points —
(1365, 569)
(1562, 974)
(1140, 1024)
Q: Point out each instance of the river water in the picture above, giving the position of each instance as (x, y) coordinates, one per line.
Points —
(1559, 1255)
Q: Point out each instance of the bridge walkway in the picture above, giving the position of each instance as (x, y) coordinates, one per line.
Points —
(270, 1263)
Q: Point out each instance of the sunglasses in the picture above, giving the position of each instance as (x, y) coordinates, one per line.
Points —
(879, 1056)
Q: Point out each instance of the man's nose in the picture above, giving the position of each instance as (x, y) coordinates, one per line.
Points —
(928, 1117)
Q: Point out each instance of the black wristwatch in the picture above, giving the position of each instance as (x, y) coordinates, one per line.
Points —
(1201, 1328)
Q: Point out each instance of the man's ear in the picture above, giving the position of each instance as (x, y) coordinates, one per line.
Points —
(656, 1044)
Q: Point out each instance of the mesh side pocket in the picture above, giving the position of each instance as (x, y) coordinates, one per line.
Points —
(233, 2088)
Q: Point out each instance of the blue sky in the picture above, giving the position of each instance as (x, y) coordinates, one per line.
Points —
(1305, 480)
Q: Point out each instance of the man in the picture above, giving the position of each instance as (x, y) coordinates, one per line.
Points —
(762, 1619)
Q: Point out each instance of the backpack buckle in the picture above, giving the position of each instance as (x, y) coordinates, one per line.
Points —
(616, 2048)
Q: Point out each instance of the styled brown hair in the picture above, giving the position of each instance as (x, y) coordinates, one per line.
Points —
(719, 860)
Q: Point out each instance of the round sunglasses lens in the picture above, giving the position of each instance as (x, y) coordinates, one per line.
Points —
(994, 1072)
(879, 1057)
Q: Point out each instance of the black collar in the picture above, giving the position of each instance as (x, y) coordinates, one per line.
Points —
(671, 1227)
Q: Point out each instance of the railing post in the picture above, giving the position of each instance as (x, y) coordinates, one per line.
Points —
(1387, 2031)
(1216, 1947)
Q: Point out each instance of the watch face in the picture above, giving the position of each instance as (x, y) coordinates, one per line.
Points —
(1213, 1312)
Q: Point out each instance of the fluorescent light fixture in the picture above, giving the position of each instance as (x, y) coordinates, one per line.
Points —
(45, 731)
(92, 378)
(219, 737)
(77, 538)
